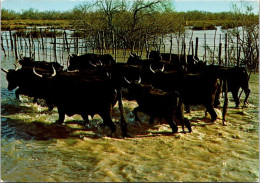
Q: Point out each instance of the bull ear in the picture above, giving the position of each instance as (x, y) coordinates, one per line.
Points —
(36, 73)
(6, 71)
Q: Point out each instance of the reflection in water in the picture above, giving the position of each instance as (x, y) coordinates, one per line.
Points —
(35, 149)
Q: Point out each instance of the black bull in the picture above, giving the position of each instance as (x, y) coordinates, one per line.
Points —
(194, 88)
(84, 94)
(88, 61)
(157, 104)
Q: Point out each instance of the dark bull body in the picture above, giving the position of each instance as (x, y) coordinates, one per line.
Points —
(88, 61)
(195, 89)
(157, 104)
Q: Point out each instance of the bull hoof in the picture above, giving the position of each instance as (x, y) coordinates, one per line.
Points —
(175, 130)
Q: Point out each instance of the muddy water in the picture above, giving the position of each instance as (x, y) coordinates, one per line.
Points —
(34, 149)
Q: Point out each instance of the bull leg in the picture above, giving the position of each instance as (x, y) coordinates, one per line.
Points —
(17, 94)
(61, 116)
(137, 119)
(184, 121)
(217, 95)
(85, 118)
(247, 95)
(172, 124)
(187, 108)
(235, 96)
(212, 112)
(108, 122)
(151, 121)
(34, 100)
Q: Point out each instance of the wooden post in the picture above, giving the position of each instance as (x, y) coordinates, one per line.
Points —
(15, 47)
(205, 54)
(214, 47)
(11, 40)
(171, 48)
(66, 40)
(226, 49)
(54, 49)
(238, 54)
(219, 54)
(185, 56)
(2, 45)
(7, 44)
(42, 40)
(192, 49)
(196, 47)
(190, 43)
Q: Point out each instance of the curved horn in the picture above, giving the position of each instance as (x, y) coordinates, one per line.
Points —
(139, 81)
(127, 81)
(131, 55)
(195, 59)
(94, 65)
(162, 69)
(70, 55)
(6, 71)
(54, 71)
(34, 71)
(21, 56)
(151, 68)
(16, 67)
(100, 62)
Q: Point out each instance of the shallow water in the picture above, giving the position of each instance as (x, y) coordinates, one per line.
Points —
(34, 149)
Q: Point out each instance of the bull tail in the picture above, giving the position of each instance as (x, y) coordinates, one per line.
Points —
(225, 101)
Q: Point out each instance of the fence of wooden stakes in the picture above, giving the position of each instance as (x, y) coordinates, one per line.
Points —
(56, 45)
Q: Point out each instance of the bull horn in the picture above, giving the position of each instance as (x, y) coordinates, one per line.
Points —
(162, 69)
(139, 81)
(151, 68)
(100, 62)
(70, 55)
(34, 71)
(54, 71)
(73, 70)
(94, 65)
(195, 59)
(6, 71)
(131, 55)
(16, 67)
(127, 81)
(21, 56)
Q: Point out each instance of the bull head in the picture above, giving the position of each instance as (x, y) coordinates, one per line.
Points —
(6, 71)
(95, 65)
(153, 71)
(138, 82)
(37, 74)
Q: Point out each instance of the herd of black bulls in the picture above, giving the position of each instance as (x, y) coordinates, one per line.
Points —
(93, 84)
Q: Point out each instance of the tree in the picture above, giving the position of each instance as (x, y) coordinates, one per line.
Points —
(245, 35)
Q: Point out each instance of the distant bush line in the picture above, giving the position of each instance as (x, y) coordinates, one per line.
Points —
(198, 20)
